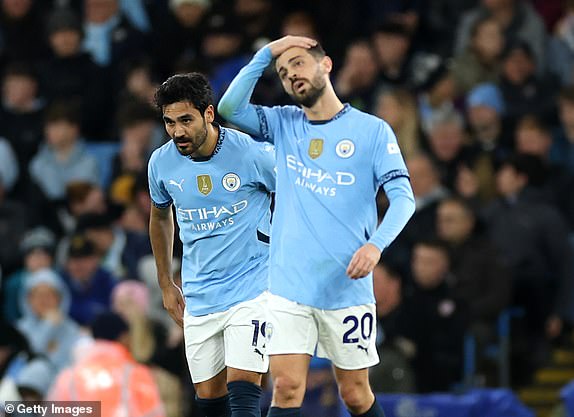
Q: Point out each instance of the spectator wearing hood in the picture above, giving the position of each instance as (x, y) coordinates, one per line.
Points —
(45, 323)
(489, 134)
(35, 379)
(37, 248)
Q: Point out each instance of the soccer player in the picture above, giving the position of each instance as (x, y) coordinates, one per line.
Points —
(219, 181)
(331, 160)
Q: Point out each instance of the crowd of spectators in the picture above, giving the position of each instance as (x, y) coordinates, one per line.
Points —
(480, 94)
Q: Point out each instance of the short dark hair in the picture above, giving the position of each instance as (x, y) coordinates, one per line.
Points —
(134, 112)
(69, 110)
(567, 93)
(317, 51)
(192, 87)
(531, 166)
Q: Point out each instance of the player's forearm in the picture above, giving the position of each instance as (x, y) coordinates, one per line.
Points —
(161, 231)
(401, 208)
(234, 106)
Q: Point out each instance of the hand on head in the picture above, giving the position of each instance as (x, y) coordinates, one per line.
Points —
(281, 45)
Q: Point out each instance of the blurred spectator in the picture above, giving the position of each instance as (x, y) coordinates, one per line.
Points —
(452, 156)
(15, 219)
(518, 20)
(21, 113)
(9, 169)
(45, 301)
(124, 387)
(531, 237)
(356, 80)
(404, 12)
(135, 217)
(480, 61)
(224, 51)
(564, 29)
(299, 23)
(14, 355)
(489, 134)
(550, 11)
(479, 279)
(70, 73)
(140, 134)
(150, 342)
(438, 24)
(392, 45)
(20, 31)
(179, 34)
(148, 275)
(428, 191)
(524, 92)
(562, 151)
(90, 285)
(258, 20)
(119, 250)
(398, 108)
(436, 89)
(63, 158)
(35, 380)
(140, 83)
(109, 36)
(109, 241)
(394, 373)
(485, 110)
(82, 197)
(37, 249)
(433, 319)
(130, 299)
(534, 138)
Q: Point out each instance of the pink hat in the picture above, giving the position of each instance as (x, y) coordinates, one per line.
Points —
(132, 290)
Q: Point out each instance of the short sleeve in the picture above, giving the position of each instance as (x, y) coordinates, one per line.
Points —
(388, 161)
(160, 198)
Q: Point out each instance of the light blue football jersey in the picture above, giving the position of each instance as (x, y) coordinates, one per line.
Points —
(328, 174)
(222, 206)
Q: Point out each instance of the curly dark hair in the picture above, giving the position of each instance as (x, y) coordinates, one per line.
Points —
(192, 87)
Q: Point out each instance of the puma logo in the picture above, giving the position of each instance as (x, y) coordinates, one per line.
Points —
(177, 184)
(366, 349)
(256, 350)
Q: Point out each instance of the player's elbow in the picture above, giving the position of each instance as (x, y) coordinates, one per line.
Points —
(225, 109)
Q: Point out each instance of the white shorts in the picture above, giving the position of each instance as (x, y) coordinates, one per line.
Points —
(346, 336)
(233, 338)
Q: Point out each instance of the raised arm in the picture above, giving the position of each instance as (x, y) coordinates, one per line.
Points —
(234, 106)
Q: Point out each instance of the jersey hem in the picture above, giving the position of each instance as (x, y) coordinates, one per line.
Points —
(338, 307)
(225, 307)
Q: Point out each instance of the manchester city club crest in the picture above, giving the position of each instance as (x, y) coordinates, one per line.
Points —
(345, 148)
(231, 182)
(204, 184)
(315, 148)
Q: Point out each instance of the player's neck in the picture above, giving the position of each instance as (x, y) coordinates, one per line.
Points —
(326, 107)
(208, 147)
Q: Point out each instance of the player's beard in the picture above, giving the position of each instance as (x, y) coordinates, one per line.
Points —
(313, 93)
(193, 142)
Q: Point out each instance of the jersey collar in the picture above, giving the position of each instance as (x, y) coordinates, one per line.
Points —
(344, 110)
(218, 146)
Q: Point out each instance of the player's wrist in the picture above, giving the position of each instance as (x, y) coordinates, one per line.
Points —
(166, 282)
